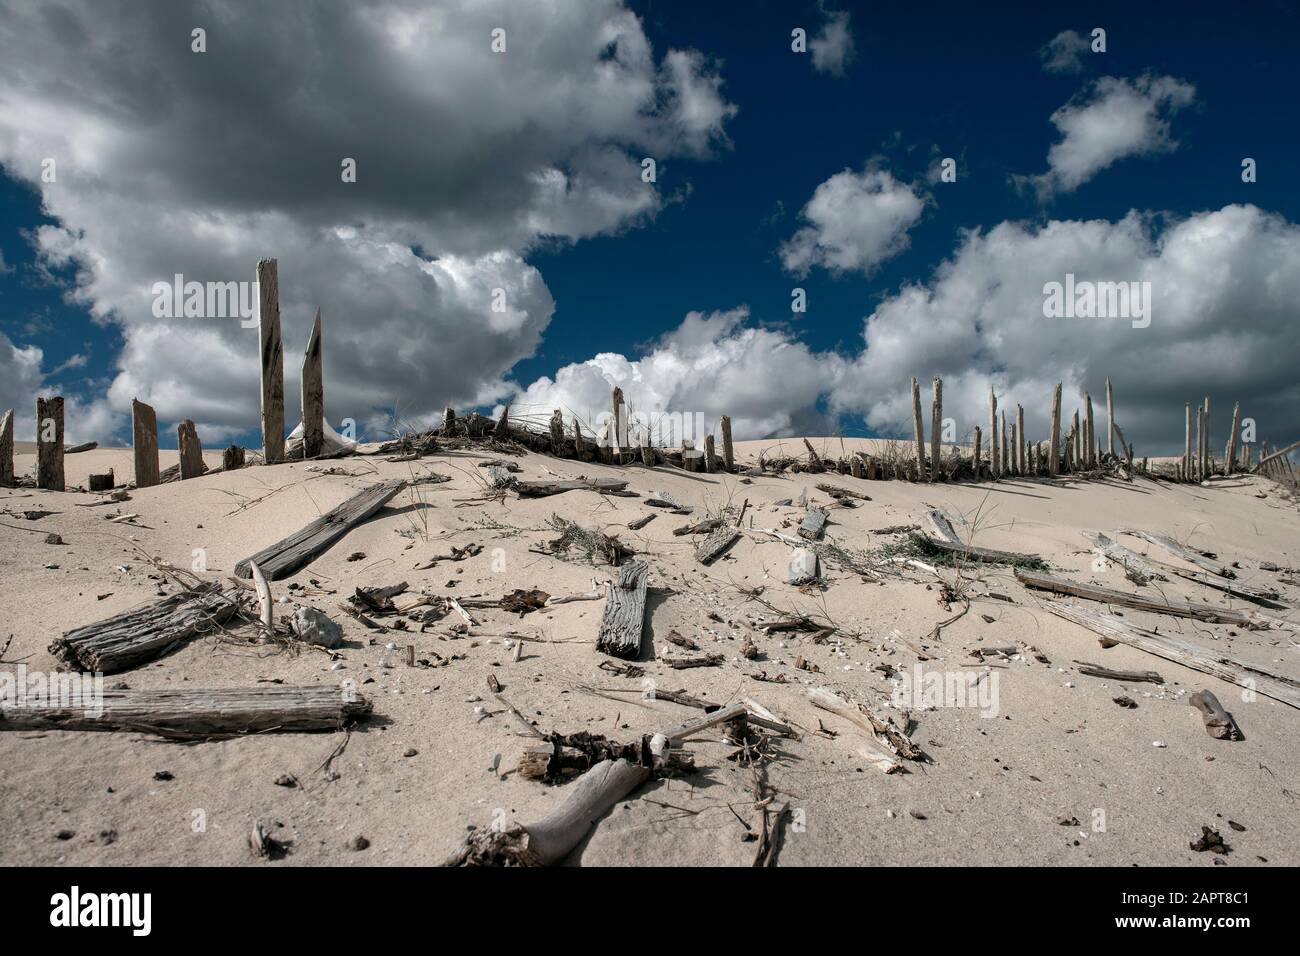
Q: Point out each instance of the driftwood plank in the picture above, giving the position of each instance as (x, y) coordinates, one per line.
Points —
(1106, 673)
(144, 440)
(7, 450)
(715, 545)
(1142, 602)
(191, 452)
(1136, 568)
(624, 618)
(187, 712)
(49, 443)
(813, 524)
(541, 489)
(1176, 549)
(313, 394)
(1277, 686)
(272, 359)
(137, 637)
(300, 548)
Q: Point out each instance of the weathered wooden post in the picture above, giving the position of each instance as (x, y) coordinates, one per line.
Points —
(191, 452)
(919, 428)
(1231, 465)
(232, 459)
(1004, 453)
(502, 430)
(557, 432)
(728, 454)
(272, 351)
(1020, 437)
(7, 450)
(313, 395)
(936, 428)
(579, 443)
(617, 426)
(1054, 445)
(1110, 419)
(1088, 432)
(993, 434)
(710, 465)
(976, 460)
(647, 452)
(49, 443)
(144, 441)
(1187, 444)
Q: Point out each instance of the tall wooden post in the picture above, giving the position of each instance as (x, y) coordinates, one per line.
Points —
(1087, 432)
(1231, 464)
(936, 428)
(502, 429)
(272, 351)
(1054, 446)
(994, 471)
(709, 465)
(1187, 444)
(144, 442)
(7, 450)
(1207, 466)
(1020, 437)
(728, 454)
(977, 452)
(919, 427)
(1110, 419)
(49, 443)
(1003, 456)
(191, 452)
(313, 395)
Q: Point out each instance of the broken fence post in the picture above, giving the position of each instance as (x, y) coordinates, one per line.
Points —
(272, 360)
(936, 427)
(313, 395)
(144, 439)
(728, 453)
(7, 450)
(919, 427)
(49, 443)
(191, 452)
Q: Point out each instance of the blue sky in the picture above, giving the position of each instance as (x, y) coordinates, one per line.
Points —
(922, 83)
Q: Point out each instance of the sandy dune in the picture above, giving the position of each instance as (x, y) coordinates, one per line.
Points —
(416, 775)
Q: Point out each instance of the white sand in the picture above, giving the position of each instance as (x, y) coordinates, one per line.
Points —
(991, 795)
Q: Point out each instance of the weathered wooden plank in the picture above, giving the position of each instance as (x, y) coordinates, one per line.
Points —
(272, 360)
(1254, 677)
(1106, 673)
(137, 637)
(49, 443)
(144, 442)
(7, 450)
(300, 548)
(543, 488)
(728, 453)
(1136, 568)
(1153, 603)
(313, 394)
(195, 713)
(813, 524)
(1176, 549)
(624, 618)
(191, 452)
(715, 545)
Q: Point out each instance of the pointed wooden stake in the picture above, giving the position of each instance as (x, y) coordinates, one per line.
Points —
(313, 395)
(919, 427)
(191, 452)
